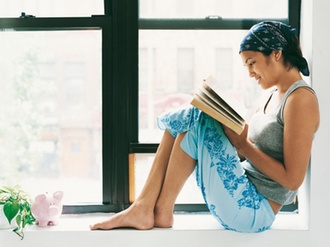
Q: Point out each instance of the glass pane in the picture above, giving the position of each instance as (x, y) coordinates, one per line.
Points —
(51, 8)
(50, 113)
(211, 8)
(173, 64)
(190, 192)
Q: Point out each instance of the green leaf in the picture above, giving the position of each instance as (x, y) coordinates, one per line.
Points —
(29, 219)
(10, 210)
(19, 220)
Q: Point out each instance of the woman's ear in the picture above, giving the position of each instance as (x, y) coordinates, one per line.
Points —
(277, 55)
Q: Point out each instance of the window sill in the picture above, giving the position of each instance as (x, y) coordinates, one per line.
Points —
(74, 230)
(284, 221)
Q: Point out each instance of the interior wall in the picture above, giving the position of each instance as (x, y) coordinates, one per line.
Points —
(315, 19)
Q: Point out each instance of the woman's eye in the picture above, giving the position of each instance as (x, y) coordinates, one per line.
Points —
(251, 64)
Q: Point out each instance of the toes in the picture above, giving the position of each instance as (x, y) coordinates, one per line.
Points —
(96, 226)
(93, 227)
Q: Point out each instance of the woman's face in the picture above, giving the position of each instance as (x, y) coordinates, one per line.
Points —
(262, 68)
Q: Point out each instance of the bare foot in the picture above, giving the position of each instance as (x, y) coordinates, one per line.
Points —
(163, 219)
(131, 217)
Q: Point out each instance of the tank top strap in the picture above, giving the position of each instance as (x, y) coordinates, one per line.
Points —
(292, 88)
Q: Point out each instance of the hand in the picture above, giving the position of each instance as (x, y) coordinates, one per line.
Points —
(238, 141)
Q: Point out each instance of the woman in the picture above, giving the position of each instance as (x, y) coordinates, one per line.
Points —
(245, 179)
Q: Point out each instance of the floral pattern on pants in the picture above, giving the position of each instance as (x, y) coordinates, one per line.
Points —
(229, 194)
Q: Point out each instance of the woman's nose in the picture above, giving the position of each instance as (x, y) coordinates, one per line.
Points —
(251, 72)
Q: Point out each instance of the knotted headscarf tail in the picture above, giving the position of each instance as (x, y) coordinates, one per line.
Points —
(271, 36)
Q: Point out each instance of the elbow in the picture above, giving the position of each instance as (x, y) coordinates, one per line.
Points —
(292, 180)
(293, 185)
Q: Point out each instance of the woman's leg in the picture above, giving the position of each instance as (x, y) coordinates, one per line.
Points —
(228, 193)
(140, 214)
(179, 168)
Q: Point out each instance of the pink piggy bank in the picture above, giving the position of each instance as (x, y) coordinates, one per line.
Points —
(46, 208)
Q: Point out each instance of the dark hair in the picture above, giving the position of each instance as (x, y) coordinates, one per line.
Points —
(292, 55)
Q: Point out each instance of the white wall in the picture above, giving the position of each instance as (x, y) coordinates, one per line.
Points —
(320, 214)
(316, 35)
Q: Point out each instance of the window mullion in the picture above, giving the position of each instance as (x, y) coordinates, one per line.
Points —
(208, 23)
(294, 14)
(67, 23)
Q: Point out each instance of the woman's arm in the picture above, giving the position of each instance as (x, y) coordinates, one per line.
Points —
(301, 120)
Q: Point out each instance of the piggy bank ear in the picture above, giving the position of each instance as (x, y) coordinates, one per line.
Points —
(58, 195)
(40, 198)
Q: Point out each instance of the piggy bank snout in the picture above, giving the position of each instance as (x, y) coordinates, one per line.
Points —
(53, 210)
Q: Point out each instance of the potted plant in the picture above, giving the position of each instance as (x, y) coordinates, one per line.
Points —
(16, 207)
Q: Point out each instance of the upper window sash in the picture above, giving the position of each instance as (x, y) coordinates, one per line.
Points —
(253, 9)
(217, 22)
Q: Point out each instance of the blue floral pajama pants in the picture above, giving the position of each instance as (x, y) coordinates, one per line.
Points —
(228, 193)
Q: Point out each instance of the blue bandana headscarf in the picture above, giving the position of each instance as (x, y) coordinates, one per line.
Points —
(271, 36)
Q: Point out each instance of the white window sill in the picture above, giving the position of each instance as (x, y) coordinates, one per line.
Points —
(185, 221)
(284, 221)
(188, 230)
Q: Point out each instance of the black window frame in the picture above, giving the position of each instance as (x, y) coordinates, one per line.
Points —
(119, 42)
(120, 25)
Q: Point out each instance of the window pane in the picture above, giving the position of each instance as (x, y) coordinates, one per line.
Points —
(186, 66)
(190, 192)
(173, 64)
(222, 8)
(51, 8)
(50, 110)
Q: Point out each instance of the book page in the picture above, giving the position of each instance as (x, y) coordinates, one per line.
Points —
(232, 102)
(212, 111)
(213, 100)
(216, 101)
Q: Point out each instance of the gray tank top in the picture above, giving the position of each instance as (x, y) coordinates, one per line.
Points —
(266, 130)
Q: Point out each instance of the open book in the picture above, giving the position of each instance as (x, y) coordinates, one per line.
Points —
(219, 105)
